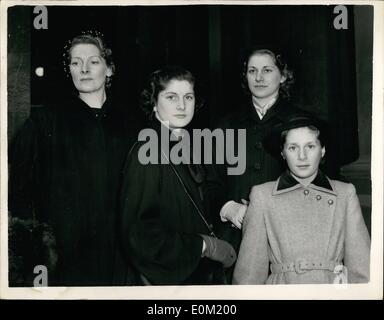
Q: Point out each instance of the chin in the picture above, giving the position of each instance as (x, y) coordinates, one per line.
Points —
(303, 175)
(180, 123)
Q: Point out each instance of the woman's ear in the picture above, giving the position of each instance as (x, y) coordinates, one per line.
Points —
(282, 155)
(283, 79)
(322, 152)
(109, 72)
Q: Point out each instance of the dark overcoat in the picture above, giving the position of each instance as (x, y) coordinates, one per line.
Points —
(261, 166)
(65, 166)
(163, 216)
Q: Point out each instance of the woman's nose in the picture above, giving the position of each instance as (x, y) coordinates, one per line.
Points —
(84, 68)
(259, 76)
(181, 105)
(302, 154)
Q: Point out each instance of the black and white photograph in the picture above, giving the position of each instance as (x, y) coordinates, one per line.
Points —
(204, 149)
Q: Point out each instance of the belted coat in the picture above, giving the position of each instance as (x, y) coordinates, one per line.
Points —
(291, 225)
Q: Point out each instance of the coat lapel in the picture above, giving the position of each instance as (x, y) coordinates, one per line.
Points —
(182, 173)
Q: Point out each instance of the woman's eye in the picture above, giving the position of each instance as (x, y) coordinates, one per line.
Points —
(74, 63)
(267, 70)
(251, 71)
(311, 146)
(190, 98)
(291, 148)
(171, 98)
(95, 61)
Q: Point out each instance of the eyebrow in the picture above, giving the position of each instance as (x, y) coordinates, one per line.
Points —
(97, 56)
(266, 66)
(171, 92)
(295, 143)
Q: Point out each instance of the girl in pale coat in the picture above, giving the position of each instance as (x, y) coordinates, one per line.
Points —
(304, 227)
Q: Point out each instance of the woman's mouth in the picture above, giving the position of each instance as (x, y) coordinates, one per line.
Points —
(180, 116)
(303, 166)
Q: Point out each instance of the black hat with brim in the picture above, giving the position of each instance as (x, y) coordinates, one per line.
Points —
(272, 141)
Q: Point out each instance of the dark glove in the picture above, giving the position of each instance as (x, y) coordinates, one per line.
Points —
(219, 250)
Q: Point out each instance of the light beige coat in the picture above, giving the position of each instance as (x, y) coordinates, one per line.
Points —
(291, 222)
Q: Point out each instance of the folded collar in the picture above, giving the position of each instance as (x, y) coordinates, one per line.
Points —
(288, 183)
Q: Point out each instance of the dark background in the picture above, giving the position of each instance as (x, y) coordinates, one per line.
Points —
(333, 68)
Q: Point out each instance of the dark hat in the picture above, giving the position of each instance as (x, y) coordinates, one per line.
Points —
(273, 141)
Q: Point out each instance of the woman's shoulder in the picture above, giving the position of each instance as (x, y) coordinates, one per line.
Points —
(233, 118)
(341, 187)
(43, 117)
(288, 108)
(263, 189)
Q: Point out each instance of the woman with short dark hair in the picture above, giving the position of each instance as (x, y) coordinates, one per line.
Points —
(266, 79)
(166, 228)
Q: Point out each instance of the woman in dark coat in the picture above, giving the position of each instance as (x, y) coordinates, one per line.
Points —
(166, 230)
(64, 170)
(266, 79)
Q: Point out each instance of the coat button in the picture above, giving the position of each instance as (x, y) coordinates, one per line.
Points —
(257, 166)
(306, 192)
(330, 202)
(258, 145)
(318, 197)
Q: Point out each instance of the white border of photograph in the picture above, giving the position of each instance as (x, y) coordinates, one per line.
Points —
(372, 290)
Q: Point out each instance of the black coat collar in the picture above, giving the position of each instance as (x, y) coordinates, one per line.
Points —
(287, 183)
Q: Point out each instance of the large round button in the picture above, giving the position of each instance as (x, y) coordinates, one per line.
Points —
(318, 197)
(306, 192)
(257, 166)
(330, 202)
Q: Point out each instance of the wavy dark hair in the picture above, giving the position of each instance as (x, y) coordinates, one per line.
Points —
(158, 81)
(279, 61)
(90, 37)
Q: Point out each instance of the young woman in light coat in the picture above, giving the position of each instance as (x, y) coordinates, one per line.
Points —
(304, 227)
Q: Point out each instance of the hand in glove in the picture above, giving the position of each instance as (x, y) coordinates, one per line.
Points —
(219, 250)
(234, 212)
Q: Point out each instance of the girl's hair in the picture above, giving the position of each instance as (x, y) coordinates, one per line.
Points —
(90, 37)
(314, 129)
(158, 81)
(279, 61)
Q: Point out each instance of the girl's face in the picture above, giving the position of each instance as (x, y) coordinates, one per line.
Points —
(303, 152)
(88, 69)
(263, 76)
(176, 103)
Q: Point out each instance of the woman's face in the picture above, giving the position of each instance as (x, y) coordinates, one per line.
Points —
(303, 152)
(263, 76)
(176, 103)
(88, 69)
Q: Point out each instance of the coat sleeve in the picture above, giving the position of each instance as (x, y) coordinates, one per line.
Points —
(252, 263)
(23, 155)
(357, 242)
(163, 255)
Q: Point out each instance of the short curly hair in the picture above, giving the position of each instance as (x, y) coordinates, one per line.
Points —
(281, 64)
(158, 81)
(90, 37)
